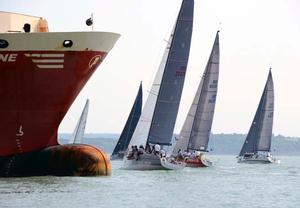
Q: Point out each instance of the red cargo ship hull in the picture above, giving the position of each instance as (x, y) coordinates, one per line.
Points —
(37, 87)
(35, 100)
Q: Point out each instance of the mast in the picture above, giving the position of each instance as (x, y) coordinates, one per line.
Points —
(195, 132)
(78, 133)
(166, 107)
(260, 133)
(131, 123)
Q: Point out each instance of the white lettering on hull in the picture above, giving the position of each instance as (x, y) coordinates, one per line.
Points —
(20, 133)
(8, 57)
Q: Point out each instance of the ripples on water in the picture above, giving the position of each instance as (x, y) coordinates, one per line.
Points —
(227, 184)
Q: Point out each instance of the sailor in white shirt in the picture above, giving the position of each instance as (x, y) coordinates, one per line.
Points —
(156, 149)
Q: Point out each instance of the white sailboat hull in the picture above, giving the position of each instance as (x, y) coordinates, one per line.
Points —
(171, 164)
(152, 162)
(258, 159)
(118, 156)
(144, 162)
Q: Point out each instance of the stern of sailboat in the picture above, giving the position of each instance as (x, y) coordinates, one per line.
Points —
(198, 162)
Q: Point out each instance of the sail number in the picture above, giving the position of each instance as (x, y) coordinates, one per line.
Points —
(212, 99)
(214, 84)
(180, 71)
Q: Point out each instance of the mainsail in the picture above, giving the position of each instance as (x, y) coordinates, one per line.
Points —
(78, 133)
(195, 132)
(142, 129)
(157, 121)
(131, 123)
(260, 133)
(165, 113)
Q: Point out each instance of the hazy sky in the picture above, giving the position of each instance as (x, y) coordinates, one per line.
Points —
(255, 34)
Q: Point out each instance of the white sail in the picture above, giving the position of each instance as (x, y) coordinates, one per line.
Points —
(141, 132)
(185, 133)
(78, 133)
(195, 132)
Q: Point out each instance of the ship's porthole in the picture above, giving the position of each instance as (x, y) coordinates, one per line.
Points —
(68, 43)
(3, 43)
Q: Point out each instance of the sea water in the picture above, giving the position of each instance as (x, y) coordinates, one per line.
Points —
(226, 184)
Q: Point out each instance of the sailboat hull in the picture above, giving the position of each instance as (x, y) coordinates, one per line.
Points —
(172, 164)
(119, 156)
(199, 162)
(144, 162)
(59, 160)
(258, 160)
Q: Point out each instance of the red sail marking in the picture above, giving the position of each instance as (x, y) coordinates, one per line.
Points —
(37, 98)
(180, 71)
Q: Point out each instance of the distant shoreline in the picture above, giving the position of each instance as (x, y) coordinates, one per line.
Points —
(221, 144)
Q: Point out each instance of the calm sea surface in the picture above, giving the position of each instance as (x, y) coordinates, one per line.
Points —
(226, 184)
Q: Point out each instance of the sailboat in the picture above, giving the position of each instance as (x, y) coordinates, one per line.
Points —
(194, 135)
(78, 133)
(256, 148)
(129, 127)
(155, 127)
